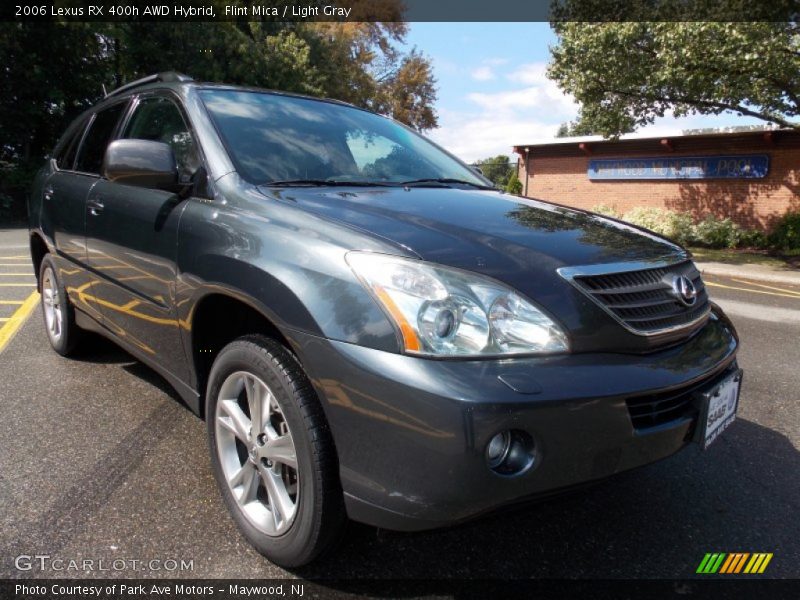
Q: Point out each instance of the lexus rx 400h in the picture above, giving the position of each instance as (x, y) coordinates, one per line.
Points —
(370, 330)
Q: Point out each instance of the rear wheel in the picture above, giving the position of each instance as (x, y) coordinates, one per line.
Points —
(271, 451)
(59, 315)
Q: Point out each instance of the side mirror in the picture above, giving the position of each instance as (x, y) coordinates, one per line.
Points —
(143, 163)
(477, 169)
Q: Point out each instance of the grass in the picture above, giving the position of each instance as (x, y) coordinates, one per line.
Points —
(743, 257)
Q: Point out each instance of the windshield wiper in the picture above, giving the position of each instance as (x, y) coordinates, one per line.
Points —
(445, 181)
(439, 182)
(323, 183)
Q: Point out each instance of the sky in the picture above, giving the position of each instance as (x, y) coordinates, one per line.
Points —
(493, 92)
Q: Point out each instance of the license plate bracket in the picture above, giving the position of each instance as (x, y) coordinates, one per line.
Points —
(718, 408)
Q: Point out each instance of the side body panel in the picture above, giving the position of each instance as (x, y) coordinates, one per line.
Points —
(64, 216)
(63, 223)
(132, 247)
(287, 264)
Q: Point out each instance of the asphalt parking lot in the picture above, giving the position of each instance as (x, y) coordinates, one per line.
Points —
(100, 460)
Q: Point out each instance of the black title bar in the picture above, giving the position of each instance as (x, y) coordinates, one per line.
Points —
(400, 10)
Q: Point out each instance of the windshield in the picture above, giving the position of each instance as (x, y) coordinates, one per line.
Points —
(274, 138)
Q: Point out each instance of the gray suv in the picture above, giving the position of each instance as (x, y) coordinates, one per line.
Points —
(368, 327)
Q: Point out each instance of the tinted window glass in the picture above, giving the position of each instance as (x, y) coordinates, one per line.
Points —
(90, 157)
(159, 119)
(66, 155)
(273, 138)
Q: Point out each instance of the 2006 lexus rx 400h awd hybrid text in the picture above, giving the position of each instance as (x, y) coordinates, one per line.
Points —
(368, 327)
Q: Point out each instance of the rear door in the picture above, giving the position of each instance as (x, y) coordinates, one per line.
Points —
(64, 203)
(132, 240)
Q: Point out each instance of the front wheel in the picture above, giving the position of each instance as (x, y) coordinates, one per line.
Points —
(272, 452)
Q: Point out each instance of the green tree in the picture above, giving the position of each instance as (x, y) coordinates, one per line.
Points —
(51, 72)
(573, 129)
(498, 169)
(356, 62)
(626, 74)
(514, 185)
(408, 92)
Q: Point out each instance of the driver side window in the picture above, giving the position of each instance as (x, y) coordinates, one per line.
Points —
(159, 119)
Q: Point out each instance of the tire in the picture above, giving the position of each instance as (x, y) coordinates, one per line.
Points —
(59, 314)
(258, 471)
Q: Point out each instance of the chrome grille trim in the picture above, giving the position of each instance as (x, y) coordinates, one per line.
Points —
(639, 295)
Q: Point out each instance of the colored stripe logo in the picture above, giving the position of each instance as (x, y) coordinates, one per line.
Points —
(734, 562)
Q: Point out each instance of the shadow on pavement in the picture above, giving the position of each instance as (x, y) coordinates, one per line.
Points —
(96, 349)
(741, 495)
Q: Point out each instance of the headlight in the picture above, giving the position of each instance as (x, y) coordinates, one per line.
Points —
(448, 312)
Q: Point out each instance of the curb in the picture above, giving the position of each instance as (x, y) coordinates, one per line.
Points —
(753, 272)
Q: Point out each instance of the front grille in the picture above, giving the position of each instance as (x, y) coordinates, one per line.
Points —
(645, 300)
(663, 407)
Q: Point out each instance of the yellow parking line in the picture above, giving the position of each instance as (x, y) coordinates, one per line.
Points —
(731, 287)
(768, 287)
(16, 285)
(15, 321)
(16, 274)
(14, 257)
(6, 302)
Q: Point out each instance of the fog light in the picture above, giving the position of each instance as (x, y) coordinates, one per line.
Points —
(510, 452)
(498, 448)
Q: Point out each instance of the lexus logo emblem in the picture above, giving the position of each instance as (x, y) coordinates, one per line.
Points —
(684, 290)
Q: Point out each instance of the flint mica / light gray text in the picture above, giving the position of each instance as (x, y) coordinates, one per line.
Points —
(303, 12)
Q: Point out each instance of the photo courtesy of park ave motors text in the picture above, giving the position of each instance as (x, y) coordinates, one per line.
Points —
(368, 293)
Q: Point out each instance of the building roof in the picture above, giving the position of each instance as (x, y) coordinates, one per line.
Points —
(638, 143)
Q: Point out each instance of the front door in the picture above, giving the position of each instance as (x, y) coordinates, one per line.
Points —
(132, 242)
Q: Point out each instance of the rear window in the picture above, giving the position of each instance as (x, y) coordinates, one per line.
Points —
(90, 157)
(65, 157)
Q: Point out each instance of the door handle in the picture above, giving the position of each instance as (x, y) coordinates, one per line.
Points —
(48, 193)
(95, 207)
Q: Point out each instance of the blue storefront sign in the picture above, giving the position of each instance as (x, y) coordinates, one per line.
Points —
(738, 166)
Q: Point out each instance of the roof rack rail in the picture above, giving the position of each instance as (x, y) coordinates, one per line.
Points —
(167, 76)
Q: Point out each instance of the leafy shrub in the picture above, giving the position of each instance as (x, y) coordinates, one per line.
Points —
(786, 234)
(712, 231)
(605, 209)
(753, 238)
(514, 185)
(717, 233)
(674, 225)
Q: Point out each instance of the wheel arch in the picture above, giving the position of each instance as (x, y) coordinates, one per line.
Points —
(220, 316)
(39, 250)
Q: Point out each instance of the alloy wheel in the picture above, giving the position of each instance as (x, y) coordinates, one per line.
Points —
(257, 453)
(51, 300)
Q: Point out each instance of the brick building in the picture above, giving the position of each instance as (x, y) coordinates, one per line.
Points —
(751, 177)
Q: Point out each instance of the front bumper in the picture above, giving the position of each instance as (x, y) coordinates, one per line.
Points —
(411, 433)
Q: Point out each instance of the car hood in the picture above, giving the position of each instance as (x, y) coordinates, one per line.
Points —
(520, 242)
(485, 231)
